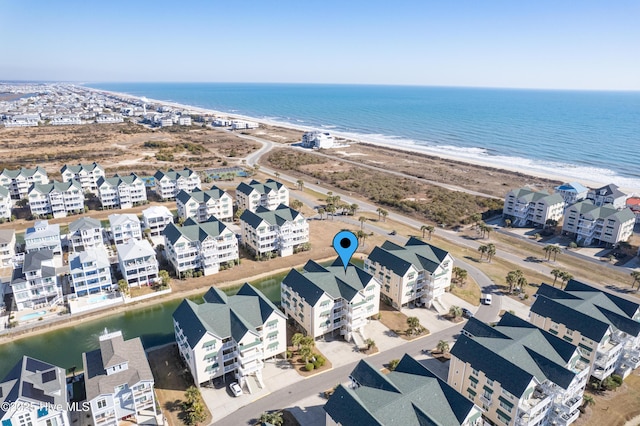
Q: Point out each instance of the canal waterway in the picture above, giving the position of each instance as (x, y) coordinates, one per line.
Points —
(153, 324)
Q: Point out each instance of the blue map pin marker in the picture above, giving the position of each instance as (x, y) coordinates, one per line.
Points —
(345, 243)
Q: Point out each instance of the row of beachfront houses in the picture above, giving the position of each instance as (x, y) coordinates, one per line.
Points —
(596, 216)
(117, 381)
(36, 119)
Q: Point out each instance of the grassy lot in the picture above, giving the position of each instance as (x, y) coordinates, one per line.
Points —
(396, 321)
(469, 291)
(614, 408)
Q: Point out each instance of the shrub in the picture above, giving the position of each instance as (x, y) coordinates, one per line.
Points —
(393, 364)
(289, 354)
(309, 366)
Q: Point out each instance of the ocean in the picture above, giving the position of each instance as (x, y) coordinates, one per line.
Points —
(574, 134)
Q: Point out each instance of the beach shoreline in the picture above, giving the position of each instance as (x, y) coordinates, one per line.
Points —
(553, 171)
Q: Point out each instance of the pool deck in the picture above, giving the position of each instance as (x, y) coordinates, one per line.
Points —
(84, 304)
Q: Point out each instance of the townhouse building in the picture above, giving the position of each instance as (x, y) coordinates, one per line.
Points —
(403, 391)
(418, 273)
(156, 219)
(43, 236)
(517, 373)
(109, 118)
(66, 120)
(22, 120)
(249, 196)
(85, 174)
(124, 227)
(35, 284)
(205, 246)
(7, 247)
(34, 393)
(230, 334)
(608, 194)
(19, 181)
(85, 233)
(282, 230)
(57, 199)
(605, 328)
(201, 205)
(242, 125)
(118, 382)
(5, 203)
(167, 185)
(590, 224)
(526, 207)
(137, 262)
(121, 192)
(90, 271)
(330, 299)
(572, 192)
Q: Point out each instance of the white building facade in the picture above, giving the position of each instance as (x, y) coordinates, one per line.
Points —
(36, 285)
(268, 195)
(43, 236)
(90, 272)
(85, 233)
(526, 207)
(169, 184)
(156, 219)
(57, 199)
(121, 192)
(19, 181)
(201, 205)
(603, 225)
(124, 227)
(86, 174)
(137, 262)
(5, 203)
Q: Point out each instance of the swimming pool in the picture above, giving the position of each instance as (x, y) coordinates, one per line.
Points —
(32, 315)
(99, 298)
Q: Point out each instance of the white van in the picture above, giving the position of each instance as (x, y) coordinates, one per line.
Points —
(486, 298)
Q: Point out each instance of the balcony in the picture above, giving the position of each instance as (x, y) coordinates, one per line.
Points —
(564, 419)
(573, 403)
(485, 400)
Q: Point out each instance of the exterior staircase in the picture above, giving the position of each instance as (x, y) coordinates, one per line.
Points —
(439, 307)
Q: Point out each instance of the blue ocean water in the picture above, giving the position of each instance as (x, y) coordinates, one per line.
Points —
(575, 134)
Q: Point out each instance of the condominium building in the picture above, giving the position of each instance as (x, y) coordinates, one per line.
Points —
(317, 140)
(5, 203)
(268, 195)
(124, 227)
(36, 283)
(137, 262)
(413, 396)
(532, 208)
(90, 271)
(85, 174)
(118, 382)
(156, 219)
(121, 192)
(201, 205)
(19, 181)
(608, 195)
(417, 273)
(43, 236)
(604, 327)
(85, 233)
(330, 299)
(591, 224)
(230, 334)
(202, 246)
(281, 230)
(572, 192)
(7, 247)
(518, 373)
(167, 185)
(56, 198)
(34, 393)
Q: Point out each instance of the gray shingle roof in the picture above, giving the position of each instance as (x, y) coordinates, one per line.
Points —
(514, 352)
(410, 395)
(118, 180)
(6, 235)
(173, 174)
(262, 188)
(55, 186)
(586, 309)
(193, 231)
(421, 255)
(84, 223)
(135, 249)
(281, 215)
(199, 195)
(35, 381)
(80, 167)
(315, 280)
(25, 172)
(224, 316)
(604, 212)
(115, 351)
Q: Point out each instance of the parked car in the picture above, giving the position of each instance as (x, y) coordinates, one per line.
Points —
(486, 299)
(467, 313)
(392, 233)
(235, 388)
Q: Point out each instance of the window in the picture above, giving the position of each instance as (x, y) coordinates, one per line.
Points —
(489, 382)
(102, 403)
(474, 372)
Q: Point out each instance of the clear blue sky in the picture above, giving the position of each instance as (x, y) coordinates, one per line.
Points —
(531, 44)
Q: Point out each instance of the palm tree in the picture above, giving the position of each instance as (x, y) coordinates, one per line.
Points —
(300, 184)
(370, 343)
(306, 353)
(556, 274)
(361, 236)
(331, 209)
(443, 346)
(455, 311)
(423, 228)
(191, 394)
(393, 364)
(379, 211)
(547, 250)
(273, 418)
(384, 214)
(507, 223)
(491, 251)
(636, 277)
(362, 220)
(462, 276)
(123, 287)
(277, 174)
(321, 211)
(296, 339)
(516, 278)
(587, 400)
(413, 323)
(430, 229)
(296, 204)
(307, 341)
(483, 250)
(566, 277)
(353, 208)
